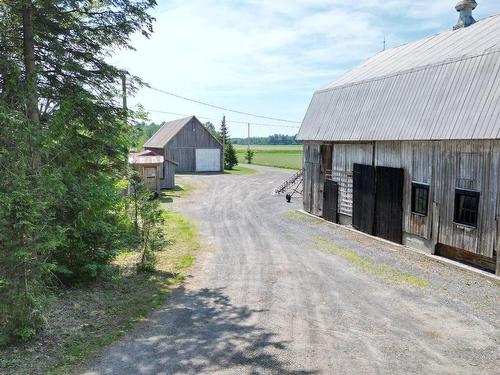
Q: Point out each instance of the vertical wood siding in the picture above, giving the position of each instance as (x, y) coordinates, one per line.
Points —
(443, 165)
(313, 184)
(344, 157)
(182, 147)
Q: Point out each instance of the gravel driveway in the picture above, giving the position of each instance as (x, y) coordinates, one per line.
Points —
(281, 293)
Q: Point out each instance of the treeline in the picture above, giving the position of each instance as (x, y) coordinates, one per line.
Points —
(276, 139)
(64, 140)
(142, 132)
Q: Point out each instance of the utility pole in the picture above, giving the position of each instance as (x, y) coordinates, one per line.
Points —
(248, 137)
(124, 95)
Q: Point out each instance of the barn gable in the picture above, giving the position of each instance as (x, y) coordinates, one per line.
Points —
(187, 142)
(442, 87)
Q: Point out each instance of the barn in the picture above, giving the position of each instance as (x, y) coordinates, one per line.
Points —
(406, 146)
(187, 146)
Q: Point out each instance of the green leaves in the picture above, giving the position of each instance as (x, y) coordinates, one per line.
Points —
(61, 211)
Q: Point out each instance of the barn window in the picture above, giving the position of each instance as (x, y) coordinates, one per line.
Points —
(150, 172)
(419, 198)
(466, 207)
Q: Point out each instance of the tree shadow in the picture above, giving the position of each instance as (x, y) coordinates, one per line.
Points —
(168, 195)
(200, 332)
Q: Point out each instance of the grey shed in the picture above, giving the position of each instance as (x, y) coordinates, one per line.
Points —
(187, 147)
(406, 146)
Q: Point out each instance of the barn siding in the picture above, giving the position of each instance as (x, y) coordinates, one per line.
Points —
(445, 166)
(313, 186)
(181, 148)
(345, 155)
(167, 170)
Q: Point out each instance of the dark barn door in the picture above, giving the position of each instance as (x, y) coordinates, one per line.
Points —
(389, 206)
(330, 201)
(363, 198)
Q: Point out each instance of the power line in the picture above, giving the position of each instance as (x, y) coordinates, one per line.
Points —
(221, 108)
(229, 121)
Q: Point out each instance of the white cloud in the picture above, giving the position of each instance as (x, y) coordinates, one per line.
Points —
(268, 56)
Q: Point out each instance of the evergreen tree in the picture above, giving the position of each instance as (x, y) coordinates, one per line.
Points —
(64, 141)
(230, 157)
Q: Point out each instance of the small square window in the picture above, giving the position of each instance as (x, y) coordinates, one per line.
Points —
(466, 207)
(419, 198)
(150, 172)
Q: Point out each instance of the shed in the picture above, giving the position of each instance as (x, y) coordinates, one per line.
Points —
(150, 167)
(188, 144)
(406, 146)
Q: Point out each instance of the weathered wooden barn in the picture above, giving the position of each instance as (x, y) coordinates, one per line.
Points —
(187, 146)
(406, 146)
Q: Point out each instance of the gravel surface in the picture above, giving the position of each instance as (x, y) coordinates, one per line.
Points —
(276, 292)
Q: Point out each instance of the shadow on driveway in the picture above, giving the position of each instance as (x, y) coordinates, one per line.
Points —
(199, 332)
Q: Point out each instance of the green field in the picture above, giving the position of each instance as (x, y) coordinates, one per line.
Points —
(286, 156)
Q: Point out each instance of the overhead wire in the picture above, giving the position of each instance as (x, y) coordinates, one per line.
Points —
(220, 107)
(229, 121)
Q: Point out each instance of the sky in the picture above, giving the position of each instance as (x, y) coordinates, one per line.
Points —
(267, 57)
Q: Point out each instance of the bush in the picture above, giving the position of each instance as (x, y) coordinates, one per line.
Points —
(249, 156)
(148, 219)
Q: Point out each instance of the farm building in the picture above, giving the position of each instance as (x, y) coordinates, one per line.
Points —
(187, 146)
(150, 165)
(406, 146)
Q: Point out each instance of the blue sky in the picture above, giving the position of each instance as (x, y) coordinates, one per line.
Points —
(268, 57)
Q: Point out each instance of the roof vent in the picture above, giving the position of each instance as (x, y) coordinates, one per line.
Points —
(465, 7)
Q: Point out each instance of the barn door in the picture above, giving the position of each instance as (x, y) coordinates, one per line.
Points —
(363, 205)
(330, 201)
(389, 204)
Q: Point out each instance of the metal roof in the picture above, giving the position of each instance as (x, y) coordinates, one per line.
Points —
(167, 131)
(446, 86)
(145, 157)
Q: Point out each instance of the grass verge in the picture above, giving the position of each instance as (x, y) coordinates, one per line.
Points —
(240, 170)
(83, 320)
(367, 264)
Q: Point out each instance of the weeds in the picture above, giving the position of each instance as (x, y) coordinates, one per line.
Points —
(367, 264)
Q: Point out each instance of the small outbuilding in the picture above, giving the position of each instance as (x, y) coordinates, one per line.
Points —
(406, 146)
(187, 146)
(149, 165)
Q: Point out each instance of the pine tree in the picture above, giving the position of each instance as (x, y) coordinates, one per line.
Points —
(230, 157)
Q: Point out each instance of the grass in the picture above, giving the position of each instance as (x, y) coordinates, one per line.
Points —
(294, 214)
(240, 170)
(179, 191)
(84, 319)
(285, 156)
(367, 264)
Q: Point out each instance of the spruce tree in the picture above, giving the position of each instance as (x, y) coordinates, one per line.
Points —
(64, 141)
(230, 157)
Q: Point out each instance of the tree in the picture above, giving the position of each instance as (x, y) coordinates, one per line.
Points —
(230, 157)
(148, 220)
(249, 156)
(211, 128)
(65, 138)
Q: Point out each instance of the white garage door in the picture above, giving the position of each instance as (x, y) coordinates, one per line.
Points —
(207, 160)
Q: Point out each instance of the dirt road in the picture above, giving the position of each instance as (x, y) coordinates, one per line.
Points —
(276, 292)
